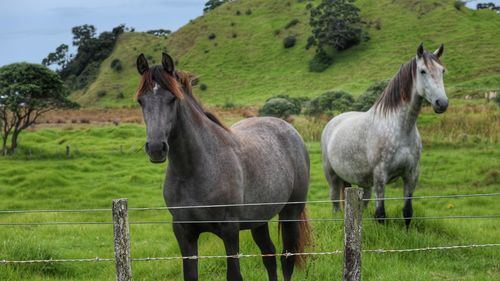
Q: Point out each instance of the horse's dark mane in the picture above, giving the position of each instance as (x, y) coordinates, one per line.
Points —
(399, 88)
(179, 85)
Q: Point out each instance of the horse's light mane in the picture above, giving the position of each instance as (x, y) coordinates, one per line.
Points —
(399, 88)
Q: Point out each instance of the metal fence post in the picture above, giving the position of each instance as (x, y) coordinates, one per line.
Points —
(122, 240)
(352, 234)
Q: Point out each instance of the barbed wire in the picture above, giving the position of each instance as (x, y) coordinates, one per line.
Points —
(241, 255)
(245, 204)
(246, 221)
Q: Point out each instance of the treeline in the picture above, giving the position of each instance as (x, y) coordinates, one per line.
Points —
(79, 70)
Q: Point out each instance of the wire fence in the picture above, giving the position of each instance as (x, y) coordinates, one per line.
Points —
(241, 255)
(244, 204)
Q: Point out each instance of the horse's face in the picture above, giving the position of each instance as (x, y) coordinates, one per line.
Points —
(429, 79)
(159, 108)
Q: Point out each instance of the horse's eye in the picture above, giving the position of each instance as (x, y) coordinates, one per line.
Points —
(422, 72)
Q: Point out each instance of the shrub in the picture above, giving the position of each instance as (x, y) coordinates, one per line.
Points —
(329, 103)
(368, 98)
(120, 96)
(248, 12)
(238, 12)
(116, 65)
(277, 107)
(320, 62)
(289, 41)
(277, 32)
(309, 6)
(101, 93)
(298, 102)
(211, 36)
(459, 4)
(291, 23)
(234, 35)
(203, 87)
(310, 42)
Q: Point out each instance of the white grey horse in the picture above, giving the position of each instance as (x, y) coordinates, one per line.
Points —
(258, 160)
(373, 148)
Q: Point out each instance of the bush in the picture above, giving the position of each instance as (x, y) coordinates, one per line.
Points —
(116, 65)
(248, 12)
(309, 6)
(203, 87)
(368, 98)
(310, 42)
(459, 5)
(291, 23)
(238, 12)
(211, 36)
(235, 35)
(329, 103)
(120, 96)
(297, 102)
(289, 41)
(277, 32)
(101, 93)
(320, 62)
(277, 107)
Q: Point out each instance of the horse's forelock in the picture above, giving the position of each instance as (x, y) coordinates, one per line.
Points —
(157, 74)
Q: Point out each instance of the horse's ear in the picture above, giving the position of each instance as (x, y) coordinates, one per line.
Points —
(142, 64)
(439, 52)
(420, 50)
(168, 63)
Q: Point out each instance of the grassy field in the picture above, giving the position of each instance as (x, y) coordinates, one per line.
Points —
(246, 62)
(107, 163)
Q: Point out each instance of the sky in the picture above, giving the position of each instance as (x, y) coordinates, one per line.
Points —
(31, 29)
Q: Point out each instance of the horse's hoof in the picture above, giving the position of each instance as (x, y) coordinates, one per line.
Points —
(380, 216)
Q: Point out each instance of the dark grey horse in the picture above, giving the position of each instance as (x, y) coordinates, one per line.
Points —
(373, 148)
(258, 160)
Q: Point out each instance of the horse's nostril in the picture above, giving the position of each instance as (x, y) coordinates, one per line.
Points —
(147, 146)
(164, 147)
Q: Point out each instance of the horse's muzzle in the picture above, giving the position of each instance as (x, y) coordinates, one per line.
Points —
(157, 151)
(440, 105)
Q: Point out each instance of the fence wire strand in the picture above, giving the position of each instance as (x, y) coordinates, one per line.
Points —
(496, 216)
(241, 255)
(245, 204)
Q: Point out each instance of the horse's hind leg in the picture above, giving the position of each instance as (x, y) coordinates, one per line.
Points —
(295, 232)
(263, 240)
(336, 185)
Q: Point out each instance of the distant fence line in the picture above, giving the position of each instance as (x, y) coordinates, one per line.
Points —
(352, 232)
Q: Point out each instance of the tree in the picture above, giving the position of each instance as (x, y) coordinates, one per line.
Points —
(336, 24)
(59, 57)
(212, 4)
(82, 34)
(26, 92)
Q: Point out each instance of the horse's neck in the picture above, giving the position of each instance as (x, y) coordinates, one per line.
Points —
(195, 141)
(409, 112)
(404, 118)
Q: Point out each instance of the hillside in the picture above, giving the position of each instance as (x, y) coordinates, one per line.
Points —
(246, 62)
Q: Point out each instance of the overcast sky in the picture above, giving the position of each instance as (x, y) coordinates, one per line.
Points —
(30, 29)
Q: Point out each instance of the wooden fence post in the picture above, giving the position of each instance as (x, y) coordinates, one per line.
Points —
(352, 233)
(122, 240)
(67, 151)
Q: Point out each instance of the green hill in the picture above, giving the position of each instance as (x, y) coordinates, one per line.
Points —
(246, 62)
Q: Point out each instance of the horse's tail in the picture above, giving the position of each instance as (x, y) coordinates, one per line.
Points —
(303, 238)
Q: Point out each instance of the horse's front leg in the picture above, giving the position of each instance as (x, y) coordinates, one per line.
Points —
(187, 237)
(410, 182)
(229, 233)
(379, 182)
